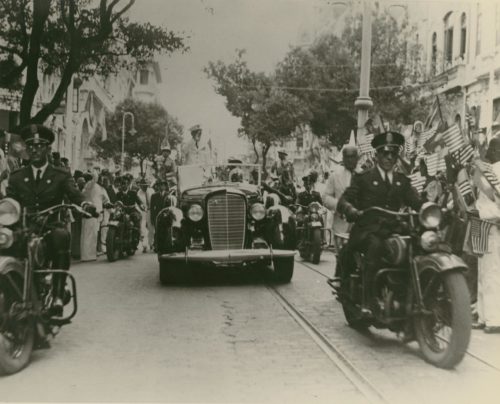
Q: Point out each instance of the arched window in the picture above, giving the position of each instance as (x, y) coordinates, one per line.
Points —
(448, 38)
(433, 54)
(463, 34)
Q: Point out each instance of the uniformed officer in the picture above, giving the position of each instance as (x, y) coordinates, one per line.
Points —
(168, 168)
(379, 186)
(39, 186)
(283, 167)
(307, 196)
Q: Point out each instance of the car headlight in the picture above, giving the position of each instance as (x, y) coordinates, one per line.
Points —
(258, 211)
(430, 215)
(429, 240)
(195, 213)
(6, 237)
(10, 211)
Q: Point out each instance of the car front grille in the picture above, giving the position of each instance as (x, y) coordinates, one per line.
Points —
(226, 221)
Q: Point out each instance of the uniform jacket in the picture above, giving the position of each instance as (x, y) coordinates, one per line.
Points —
(128, 198)
(368, 189)
(193, 153)
(279, 167)
(55, 185)
(305, 198)
(158, 202)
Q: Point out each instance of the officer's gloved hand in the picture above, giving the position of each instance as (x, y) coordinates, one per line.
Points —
(352, 214)
(108, 205)
(90, 209)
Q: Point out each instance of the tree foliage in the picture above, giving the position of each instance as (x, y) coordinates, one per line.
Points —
(268, 114)
(64, 37)
(154, 127)
(325, 75)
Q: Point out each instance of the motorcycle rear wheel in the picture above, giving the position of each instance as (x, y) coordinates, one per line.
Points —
(113, 244)
(446, 296)
(16, 336)
(316, 246)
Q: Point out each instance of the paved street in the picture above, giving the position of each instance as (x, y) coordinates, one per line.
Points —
(228, 341)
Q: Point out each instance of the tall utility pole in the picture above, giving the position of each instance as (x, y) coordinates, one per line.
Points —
(363, 103)
(132, 132)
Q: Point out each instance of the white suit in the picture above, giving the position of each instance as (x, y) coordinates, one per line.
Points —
(335, 187)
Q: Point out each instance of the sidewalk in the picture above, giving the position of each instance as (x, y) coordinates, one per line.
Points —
(486, 347)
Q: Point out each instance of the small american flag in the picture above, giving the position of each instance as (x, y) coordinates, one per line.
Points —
(424, 136)
(463, 155)
(417, 182)
(434, 163)
(409, 147)
(465, 188)
(453, 138)
(479, 232)
(365, 148)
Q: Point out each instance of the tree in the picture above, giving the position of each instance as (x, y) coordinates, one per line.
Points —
(268, 114)
(65, 37)
(153, 125)
(325, 76)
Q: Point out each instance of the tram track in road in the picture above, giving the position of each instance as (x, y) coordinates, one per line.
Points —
(469, 353)
(348, 369)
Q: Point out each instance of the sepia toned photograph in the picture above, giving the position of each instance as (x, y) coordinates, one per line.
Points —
(250, 201)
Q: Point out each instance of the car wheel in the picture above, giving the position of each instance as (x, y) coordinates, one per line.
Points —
(283, 269)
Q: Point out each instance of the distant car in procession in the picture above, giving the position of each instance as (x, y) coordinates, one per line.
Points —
(220, 220)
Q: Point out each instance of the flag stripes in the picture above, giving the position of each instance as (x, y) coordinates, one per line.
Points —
(479, 232)
(464, 155)
(434, 164)
(453, 138)
(465, 188)
(365, 148)
(488, 173)
(417, 181)
(424, 136)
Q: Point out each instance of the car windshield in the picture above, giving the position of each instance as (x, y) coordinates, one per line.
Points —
(195, 176)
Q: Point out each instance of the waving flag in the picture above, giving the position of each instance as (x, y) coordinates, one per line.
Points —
(434, 163)
(417, 181)
(424, 136)
(479, 233)
(365, 148)
(453, 139)
(463, 155)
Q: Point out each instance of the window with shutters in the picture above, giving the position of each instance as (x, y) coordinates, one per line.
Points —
(463, 35)
(448, 40)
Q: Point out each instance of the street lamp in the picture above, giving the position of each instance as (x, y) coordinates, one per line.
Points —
(132, 132)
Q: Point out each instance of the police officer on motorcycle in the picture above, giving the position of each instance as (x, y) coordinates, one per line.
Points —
(307, 196)
(39, 186)
(379, 186)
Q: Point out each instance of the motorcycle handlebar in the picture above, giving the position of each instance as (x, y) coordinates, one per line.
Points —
(389, 212)
(54, 208)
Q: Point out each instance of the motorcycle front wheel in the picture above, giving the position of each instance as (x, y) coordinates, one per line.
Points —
(113, 244)
(17, 332)
(443, 331)
(316, 246)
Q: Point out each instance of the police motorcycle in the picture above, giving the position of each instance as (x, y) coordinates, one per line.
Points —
(420, 291)
(310, 230)
(123, 236)
(26, 285)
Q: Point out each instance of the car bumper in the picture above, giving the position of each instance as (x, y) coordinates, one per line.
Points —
(227, 257)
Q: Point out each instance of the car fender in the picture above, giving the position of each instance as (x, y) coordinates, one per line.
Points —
(284, 212)
(173, 215)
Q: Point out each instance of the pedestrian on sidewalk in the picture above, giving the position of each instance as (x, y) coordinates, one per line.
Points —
(147, 229)
(488, 205)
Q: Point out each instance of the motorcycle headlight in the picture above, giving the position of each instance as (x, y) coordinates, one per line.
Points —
(258, 211)
(195, 213)
(10, 211)
(429, 240)
(314, 207)
(430, 215)
(314, 216)
(6, 237)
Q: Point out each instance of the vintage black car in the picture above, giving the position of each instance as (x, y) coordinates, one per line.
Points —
(220, 220)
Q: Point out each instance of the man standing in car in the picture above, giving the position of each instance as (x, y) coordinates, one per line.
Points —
(39, 186)
(382, 187)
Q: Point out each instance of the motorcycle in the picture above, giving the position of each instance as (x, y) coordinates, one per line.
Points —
(26, 285)
(420, 290)
(123, 235)
(310, 231)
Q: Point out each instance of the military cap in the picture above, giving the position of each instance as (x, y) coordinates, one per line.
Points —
(306, 178)
(281, 150)
(37, 134)
(233, 160)
(143, 181)
(195, 128)
(165, 148)
(388, 140)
